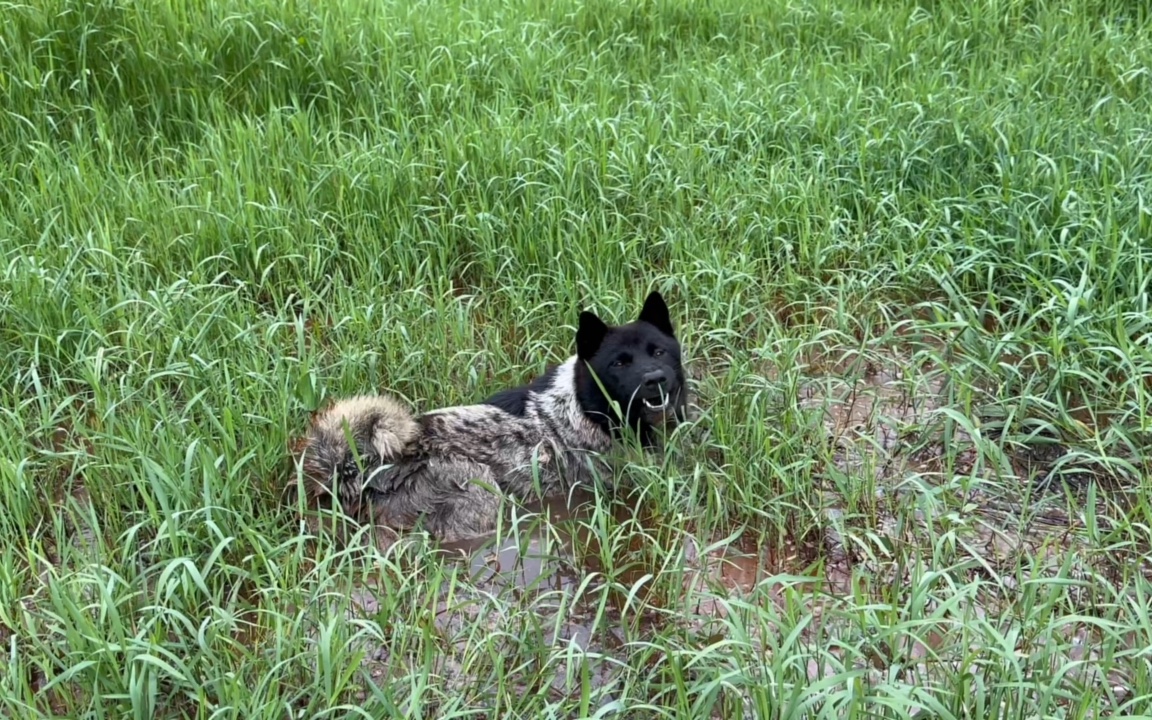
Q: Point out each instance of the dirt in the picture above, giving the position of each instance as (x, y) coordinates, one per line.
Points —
(885, 424)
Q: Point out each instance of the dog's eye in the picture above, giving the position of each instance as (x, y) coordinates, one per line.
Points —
(619, 362)
(657, 352)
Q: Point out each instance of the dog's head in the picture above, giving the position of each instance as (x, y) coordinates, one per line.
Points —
(638, 365)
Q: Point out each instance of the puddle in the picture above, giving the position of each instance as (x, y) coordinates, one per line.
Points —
(559, 555)
(539, 558)
(881, 419)
(511, 595)
(546, 588)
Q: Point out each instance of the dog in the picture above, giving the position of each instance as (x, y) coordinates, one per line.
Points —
(446, 470)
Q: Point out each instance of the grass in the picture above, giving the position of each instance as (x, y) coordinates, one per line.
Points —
(909, 248)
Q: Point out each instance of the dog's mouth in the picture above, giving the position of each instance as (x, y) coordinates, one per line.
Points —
(656, 404)
(662, 409)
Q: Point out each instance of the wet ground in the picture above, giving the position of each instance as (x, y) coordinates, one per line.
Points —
(883, 421)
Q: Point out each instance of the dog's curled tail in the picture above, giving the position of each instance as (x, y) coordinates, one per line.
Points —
(381, 429)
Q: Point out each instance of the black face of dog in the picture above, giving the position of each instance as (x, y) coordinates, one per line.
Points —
(637, 364)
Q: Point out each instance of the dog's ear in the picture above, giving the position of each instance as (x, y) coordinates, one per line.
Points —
(589, 335)
(655, 312)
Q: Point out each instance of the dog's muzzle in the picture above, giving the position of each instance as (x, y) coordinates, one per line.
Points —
(665, 409)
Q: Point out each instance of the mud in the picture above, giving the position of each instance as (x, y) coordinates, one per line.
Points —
(531, 561)
(883, 417)
(545, 590)
(882, 420)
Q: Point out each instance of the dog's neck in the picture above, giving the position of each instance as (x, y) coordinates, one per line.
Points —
(562, 397)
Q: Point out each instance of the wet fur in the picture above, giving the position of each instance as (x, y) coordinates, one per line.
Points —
(445, 470)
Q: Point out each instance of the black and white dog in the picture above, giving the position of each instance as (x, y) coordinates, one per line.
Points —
(443, 470)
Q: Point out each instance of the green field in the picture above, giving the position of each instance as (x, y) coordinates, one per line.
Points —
(908, 248)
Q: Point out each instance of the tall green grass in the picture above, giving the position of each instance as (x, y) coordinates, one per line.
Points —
(214, 216)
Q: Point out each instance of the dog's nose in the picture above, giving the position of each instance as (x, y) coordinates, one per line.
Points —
(654, 378)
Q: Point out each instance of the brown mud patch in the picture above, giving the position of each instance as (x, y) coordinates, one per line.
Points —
(903, 468)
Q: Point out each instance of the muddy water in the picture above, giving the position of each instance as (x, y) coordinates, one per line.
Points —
(551, 559)
(524, 587)
(873, 414)
(534, 560)
(547, 573)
